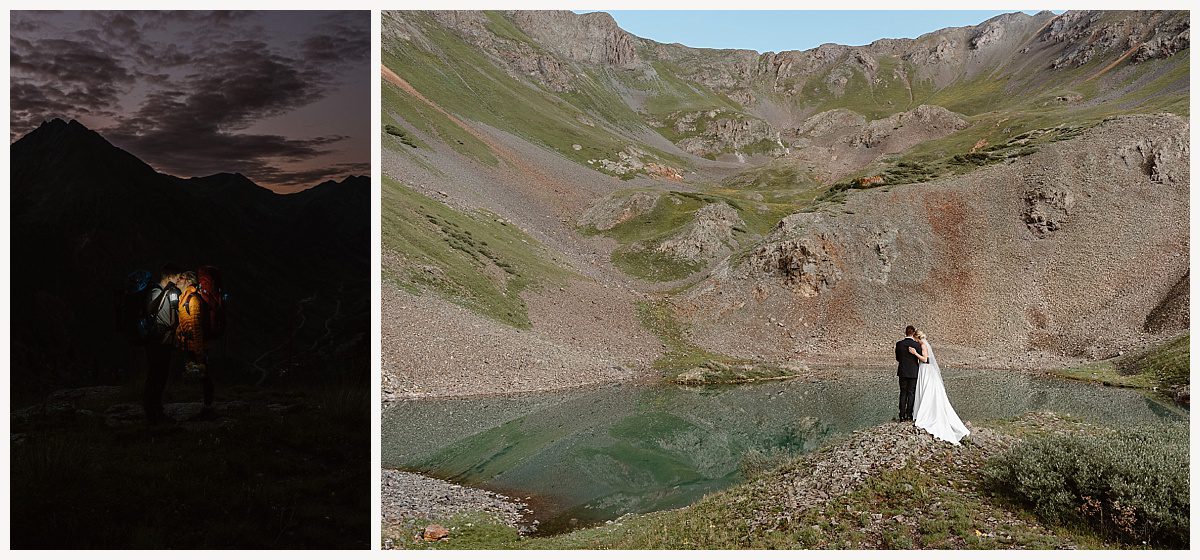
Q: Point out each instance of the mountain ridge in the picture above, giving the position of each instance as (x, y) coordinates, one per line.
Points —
(57, 129)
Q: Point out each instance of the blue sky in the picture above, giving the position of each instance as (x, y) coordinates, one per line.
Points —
(788, 30)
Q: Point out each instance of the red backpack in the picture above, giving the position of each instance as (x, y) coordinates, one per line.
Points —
(212, 293)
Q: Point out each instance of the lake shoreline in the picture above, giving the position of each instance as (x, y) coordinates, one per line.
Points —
(812, 371)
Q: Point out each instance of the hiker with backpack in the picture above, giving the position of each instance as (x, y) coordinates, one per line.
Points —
(156, 329)
(190, 338)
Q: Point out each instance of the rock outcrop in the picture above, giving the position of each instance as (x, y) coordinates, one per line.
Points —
(907, 129)
(1091, 33)
(593, 38)
(709, 234)
(712, 133)
(1047, 207)
(619, 208)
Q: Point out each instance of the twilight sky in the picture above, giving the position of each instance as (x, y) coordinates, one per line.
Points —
(281, 97)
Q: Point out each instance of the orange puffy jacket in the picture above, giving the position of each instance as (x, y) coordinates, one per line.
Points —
(189, 335)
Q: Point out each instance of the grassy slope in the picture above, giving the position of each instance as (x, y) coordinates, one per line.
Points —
(396, 103)
(874, 100)
(464, 82)
(669, 93)
(674, 212)
(761, 196)
(1011, 126)
(998, 116)
(466, 254)
(474, 87)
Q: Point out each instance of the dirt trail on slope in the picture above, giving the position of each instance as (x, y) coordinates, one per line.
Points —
(1114, 63)
(499, 150)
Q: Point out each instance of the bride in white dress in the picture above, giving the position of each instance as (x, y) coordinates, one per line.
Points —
(931, 409)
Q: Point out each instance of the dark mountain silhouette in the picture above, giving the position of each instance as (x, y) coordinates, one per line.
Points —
(86, 213)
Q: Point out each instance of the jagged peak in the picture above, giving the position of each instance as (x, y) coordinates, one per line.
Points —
(57, 126)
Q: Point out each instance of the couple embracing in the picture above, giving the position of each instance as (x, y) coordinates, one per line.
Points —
(923, 399)
(179, 312)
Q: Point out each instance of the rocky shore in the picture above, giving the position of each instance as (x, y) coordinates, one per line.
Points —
(410, 499)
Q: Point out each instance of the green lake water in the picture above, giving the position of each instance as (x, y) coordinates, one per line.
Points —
(589, 455)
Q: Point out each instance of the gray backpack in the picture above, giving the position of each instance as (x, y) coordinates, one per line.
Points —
(162, 313)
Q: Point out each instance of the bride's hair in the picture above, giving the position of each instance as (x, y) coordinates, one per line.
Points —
(921, 335)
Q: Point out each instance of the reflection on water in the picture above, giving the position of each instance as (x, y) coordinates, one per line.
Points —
(596, 454)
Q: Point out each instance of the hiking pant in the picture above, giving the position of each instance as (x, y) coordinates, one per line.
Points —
(158, 367)
(207, 383)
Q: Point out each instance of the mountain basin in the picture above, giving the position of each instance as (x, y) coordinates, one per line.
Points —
(581, 457)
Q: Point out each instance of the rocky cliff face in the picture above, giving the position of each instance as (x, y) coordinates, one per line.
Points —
(591, 38)
(1089, 33)
(997, 259)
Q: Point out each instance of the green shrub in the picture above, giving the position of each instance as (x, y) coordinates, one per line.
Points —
(399, 133)
(1132, 485)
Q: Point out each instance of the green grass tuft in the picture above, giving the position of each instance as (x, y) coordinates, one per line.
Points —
(401, 134)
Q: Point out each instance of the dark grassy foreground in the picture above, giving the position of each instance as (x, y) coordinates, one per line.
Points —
(284, 469)
(943, 500)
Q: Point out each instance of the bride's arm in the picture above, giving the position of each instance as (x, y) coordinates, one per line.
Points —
(920, 356)
(923, 355)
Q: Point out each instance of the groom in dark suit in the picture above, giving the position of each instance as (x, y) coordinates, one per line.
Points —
(907, 367)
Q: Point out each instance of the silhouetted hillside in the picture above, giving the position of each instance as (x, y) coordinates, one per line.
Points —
(86, 213)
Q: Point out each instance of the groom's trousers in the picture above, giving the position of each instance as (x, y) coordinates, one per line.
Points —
(908, 395)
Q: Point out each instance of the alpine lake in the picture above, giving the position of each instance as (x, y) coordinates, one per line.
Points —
(581, 457)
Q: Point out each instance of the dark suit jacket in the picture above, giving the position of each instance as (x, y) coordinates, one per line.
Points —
(908, 363)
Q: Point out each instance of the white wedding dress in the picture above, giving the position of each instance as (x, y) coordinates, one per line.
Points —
(931, 409)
